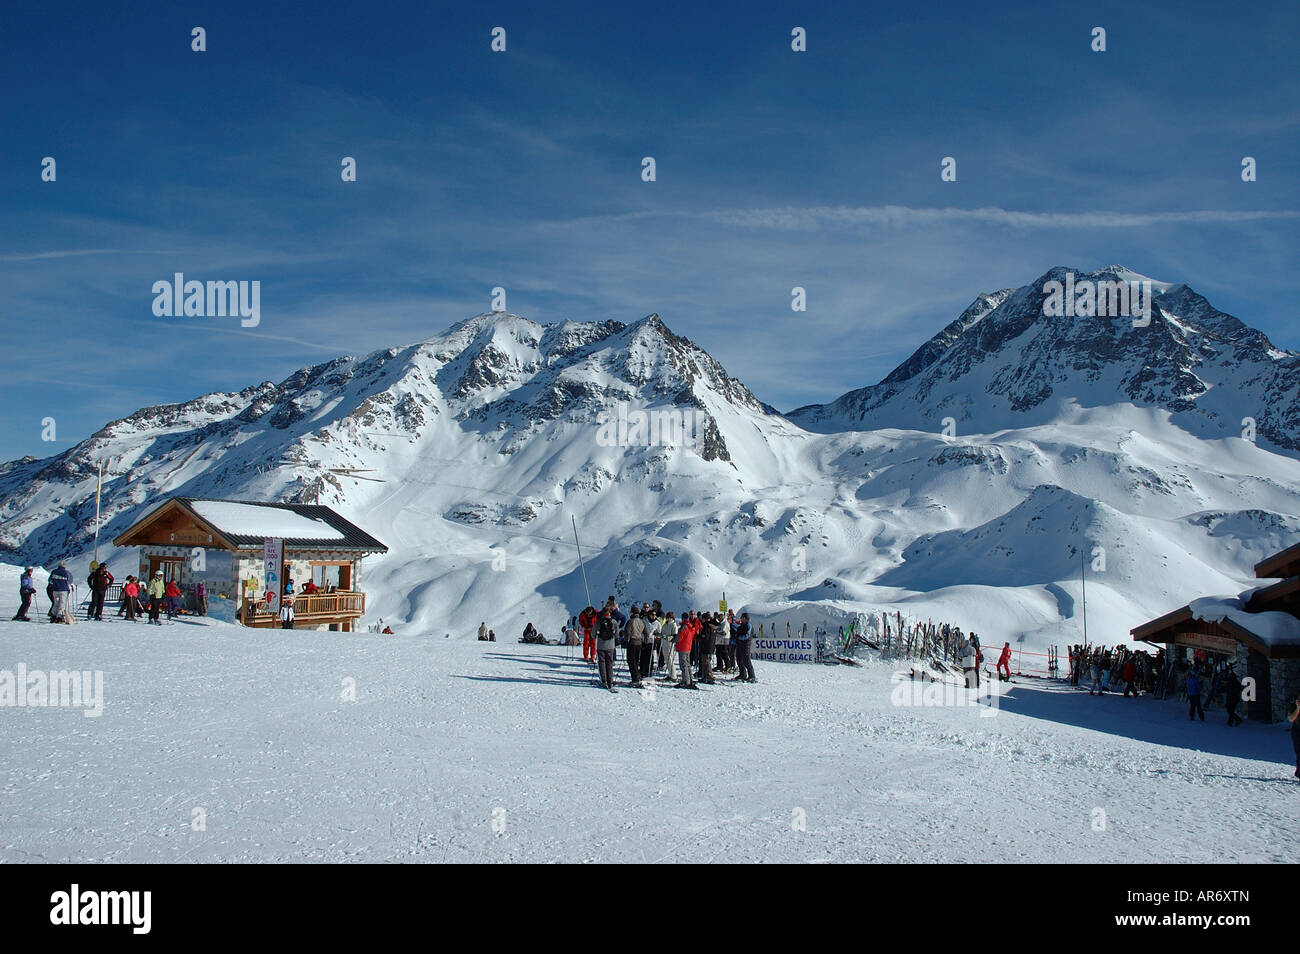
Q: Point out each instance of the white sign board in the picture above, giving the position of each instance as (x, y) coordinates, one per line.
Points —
(273, 561)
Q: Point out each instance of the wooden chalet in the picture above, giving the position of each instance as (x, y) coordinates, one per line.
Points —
(319, 545)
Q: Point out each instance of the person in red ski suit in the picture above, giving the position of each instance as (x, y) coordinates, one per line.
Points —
(1004, 663)
(587, 622)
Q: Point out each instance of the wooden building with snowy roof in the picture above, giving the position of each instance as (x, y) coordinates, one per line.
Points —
(317, 545)
(1258, 631)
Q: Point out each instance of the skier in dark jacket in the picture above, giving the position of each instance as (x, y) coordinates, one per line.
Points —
(634, 634)
(1234, 697)
(26, 590)
(740, 640)
(611, 604)
(1194, 696)
(708, 641)
(100, 580)
(606, 641)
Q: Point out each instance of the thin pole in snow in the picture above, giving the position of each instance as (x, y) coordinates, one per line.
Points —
(1083, 577)
(580, 563)
(99, 486)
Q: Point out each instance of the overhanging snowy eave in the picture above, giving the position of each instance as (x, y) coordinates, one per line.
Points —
(1185, 621)
(202, 521)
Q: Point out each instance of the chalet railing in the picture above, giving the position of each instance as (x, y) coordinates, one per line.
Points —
(314, 607)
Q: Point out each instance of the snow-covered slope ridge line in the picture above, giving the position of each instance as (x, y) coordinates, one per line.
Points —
(1078, 441)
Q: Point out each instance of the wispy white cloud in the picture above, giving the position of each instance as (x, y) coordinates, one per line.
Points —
(791, 218)
(894, 215)
(76, 252)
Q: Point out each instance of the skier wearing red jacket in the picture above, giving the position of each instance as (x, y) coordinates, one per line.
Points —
(587, 622)
(1004, 663)
(173, 594)
(685, 639)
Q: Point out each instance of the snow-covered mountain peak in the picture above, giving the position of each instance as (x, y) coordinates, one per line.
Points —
(1088, 338)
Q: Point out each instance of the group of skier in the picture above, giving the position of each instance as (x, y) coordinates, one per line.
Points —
(684, 652)
(138, 598)
(1198, 680)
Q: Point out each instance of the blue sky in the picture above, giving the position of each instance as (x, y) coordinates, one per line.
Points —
(522, 169)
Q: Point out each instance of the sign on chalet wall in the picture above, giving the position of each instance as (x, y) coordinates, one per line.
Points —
(1215, 644)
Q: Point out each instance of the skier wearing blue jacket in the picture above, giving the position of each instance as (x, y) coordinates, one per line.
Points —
(26, 590)
(60, 590)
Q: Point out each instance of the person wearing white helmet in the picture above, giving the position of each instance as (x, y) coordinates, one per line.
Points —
(157, 590)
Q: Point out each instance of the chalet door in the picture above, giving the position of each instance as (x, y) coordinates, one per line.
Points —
(171, 567)
(1257, 669)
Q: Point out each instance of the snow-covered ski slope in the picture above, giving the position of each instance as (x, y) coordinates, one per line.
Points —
(1078, 442)
(457, 750)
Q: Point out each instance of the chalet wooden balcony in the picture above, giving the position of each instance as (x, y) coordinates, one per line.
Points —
(316, 609)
